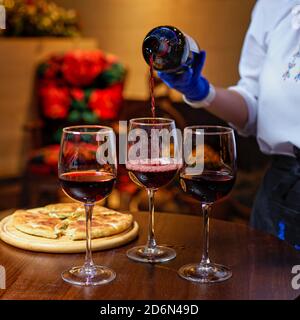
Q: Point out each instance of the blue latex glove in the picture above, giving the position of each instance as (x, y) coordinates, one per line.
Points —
(189, 82)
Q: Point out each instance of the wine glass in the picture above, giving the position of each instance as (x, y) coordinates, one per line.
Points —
(208, 175)
(153, 160)
(87, 172)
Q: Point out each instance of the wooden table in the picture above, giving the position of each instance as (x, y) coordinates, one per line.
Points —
(261, 266)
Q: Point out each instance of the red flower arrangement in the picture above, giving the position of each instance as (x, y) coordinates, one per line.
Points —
(77, 94)
(77, 87)
(81, 86)
(106, 102)
(55, 101)
(81, 68)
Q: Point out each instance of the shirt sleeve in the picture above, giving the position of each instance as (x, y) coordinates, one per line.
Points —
(251, 63)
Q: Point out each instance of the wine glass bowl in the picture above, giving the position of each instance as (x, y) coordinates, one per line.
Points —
(153, 160)
(87, 186)
(208, 175)
(87, 170)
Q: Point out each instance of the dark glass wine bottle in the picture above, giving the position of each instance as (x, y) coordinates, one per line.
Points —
(170, 48)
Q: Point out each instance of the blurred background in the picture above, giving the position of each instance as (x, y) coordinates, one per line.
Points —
(66, 62)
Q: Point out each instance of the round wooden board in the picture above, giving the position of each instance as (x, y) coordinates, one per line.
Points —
(16, 238)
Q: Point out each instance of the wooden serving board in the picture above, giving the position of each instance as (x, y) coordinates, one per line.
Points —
(16, 238)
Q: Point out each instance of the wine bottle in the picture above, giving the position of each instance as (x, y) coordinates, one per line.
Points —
(170, 49)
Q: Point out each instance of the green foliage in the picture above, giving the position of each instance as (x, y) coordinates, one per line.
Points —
(111, 76)
(38, 19)
(89, 117)
(74, 116)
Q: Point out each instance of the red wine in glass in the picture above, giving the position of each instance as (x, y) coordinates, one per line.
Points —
(88, 176)
(208, 187)
(87, 186)
(151, 166)
(152, 176)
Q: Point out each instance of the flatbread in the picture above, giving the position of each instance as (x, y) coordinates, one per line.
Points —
(63, 210)
(103, 225)
(57, 220)
(36, 223)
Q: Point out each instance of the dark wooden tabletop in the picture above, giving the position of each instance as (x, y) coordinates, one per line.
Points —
(261, 266)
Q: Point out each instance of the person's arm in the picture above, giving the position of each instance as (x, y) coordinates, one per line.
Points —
(230, 106)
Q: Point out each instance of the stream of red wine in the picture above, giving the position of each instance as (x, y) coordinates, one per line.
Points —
(151, 82)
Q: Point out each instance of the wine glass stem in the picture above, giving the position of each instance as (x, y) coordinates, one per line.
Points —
(151, 244)
(88, 255)
(206, 208)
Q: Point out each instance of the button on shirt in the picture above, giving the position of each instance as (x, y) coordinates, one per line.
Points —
(270, 76)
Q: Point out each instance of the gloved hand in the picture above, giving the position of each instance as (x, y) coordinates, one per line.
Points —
(189, 82)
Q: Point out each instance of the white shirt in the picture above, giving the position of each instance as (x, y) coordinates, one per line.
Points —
(270, 76)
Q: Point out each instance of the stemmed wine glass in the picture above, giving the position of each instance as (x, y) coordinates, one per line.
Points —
(87, 172)
(153, 160)
(208, 175)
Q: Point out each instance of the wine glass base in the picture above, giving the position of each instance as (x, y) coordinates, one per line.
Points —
(210, 273)
(92, 276)
(144, 254)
